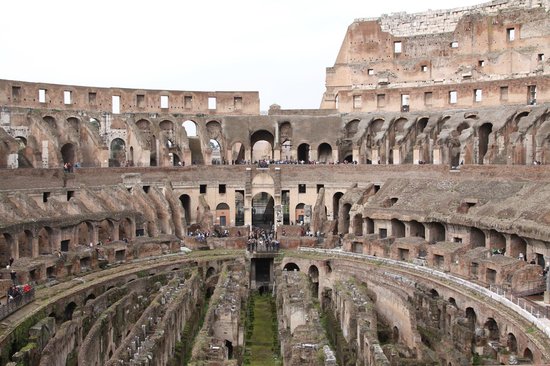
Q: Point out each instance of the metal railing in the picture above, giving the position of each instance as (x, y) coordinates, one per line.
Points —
(524, 310)
(535, 309)
(16, 303)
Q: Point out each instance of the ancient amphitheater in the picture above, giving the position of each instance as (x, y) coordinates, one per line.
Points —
(409, 212)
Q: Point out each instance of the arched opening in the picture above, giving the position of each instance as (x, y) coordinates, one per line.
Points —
(94, 124)
(303, 153)
(358, 225)
(166, 126)
(417, 229)
(462, 126)
(85, 230)
(491, 329)
(434, 294)
(397, 228)
(24, 153)
(336, 204)
(324, 153)
(370, 225)
(176, 161)
(44, 241)
(69, 310)
(105, 231)
(6, 244)
(477, 238)
(239, 208)
(229, 347)
(313, 274)
(291, 266)
(497, 241)
(90, 297)
(438, 233)
(24, 240)
(215, 147)
(299, 213)
(210, 272)
(262, 145)
(190, 128)
(125, 229)
(395, 335)
(452, 301)
(152, 144)
(186, 205)
(131, 157)
(518, 245)
(512, 343)
(222, 214)
(263, 210)
(483, 135)
(471, 317)
(68, 153)
(344, 219)
(117, 155)
(237, 153)
(528, 354)
(421, 125)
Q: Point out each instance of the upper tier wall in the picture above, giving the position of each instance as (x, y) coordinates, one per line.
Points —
(41, 95)
(443, 21)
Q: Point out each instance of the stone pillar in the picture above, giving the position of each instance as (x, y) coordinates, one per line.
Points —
(248, 154)
(252, 274)
(313, 155)
(15, 247)
(547, 292)
(229, 156)
(35, 246)
(187, 157)
(355, 154)
(115, 233)
(94, 234)
(13, 161)
(293, 154)
(248, 211)
(396, 155)
(437, 156)
(277, 152)
(416, 155)
(335, 155)
(376, 156)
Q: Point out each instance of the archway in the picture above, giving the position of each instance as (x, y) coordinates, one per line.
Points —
(528, 354)
(24, 240)
(291, 266)
(222, 214)
(303, 153)
(397, 228)
(68, 153)
(69, 310)
(186, 204)
(483, 134)
(117, 156)
(85, 230)
(324, 153)
(477, 238)
(24, 153)
(417, 229)
(491, 328)
(497, 240)
(344, 219)
(512, 343)
(125, 229)
(336, 204)
(215, 147)
(313, 274)
(299, 213)
(437, 232)
(44, 241)
(6, 244)
(263, 210)
(239, 208)
(190, 128)
(518, 245)
(237, 153)
(358, 224)
(262, 145)
(105, 230)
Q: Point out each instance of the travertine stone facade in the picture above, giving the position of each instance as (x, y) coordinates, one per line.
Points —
(491, 54)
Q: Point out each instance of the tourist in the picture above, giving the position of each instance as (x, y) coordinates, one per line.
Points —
(13, 276)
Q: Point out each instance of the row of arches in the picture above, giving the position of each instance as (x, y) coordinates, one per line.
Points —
(46, 240)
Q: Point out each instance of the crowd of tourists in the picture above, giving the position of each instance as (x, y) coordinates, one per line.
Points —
(261, 240)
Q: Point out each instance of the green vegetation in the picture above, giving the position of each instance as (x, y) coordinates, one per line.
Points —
(262, 344)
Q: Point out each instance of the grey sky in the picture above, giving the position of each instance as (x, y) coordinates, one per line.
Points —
(279, 48)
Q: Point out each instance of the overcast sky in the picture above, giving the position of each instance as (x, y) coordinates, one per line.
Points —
(279, 48)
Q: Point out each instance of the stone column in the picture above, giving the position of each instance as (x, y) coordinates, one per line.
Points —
(437, 155)
(45, 155)
(35, 247)
(248, 211)
(355, 154)
(416, 155)
(375, 155)
(115, 233)
(94, 234)
(396, 155)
